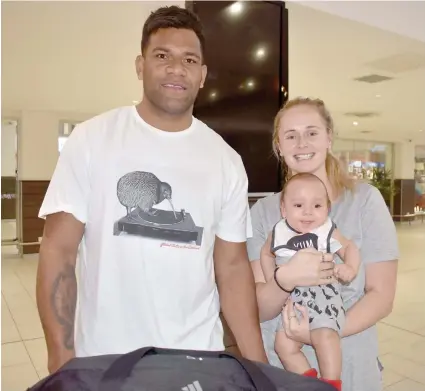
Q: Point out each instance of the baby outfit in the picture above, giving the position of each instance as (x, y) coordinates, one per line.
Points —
(324, 302)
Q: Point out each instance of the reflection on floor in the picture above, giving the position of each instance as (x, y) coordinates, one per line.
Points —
(8, 234)
(8, 230)
(401, 335)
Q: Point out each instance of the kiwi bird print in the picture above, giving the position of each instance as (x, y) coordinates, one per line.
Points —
(138, 194)
(143, 190)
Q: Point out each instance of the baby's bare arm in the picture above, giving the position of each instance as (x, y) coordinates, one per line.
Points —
(349, 252)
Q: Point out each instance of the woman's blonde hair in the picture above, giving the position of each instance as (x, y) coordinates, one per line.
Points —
(337, 175)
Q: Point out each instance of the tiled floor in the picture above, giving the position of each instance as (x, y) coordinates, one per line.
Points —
(401, 335)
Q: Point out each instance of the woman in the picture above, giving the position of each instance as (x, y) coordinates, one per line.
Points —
(302, 140)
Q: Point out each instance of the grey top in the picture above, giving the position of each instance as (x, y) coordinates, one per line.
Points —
(363, 217)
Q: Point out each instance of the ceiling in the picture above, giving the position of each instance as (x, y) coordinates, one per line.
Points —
(386, 15)
(78, 57)
(326, 54)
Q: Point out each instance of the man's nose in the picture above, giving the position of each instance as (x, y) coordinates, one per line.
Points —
(176, 67)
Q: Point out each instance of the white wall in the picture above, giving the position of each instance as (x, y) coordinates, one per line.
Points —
(8, 149)
(39, 142)
(405, 18)
(82, 53)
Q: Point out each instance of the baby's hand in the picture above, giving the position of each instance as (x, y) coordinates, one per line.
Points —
(344, 273)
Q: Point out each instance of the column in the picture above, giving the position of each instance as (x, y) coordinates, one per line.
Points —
(37, 157)
(404, 169)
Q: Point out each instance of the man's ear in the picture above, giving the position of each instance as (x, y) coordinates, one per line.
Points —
(139, 66)
(204, 75)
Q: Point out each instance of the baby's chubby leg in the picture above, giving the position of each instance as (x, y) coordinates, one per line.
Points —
(290, 354)
(327, 345)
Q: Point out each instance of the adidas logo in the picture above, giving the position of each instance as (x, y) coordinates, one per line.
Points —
(195, 386)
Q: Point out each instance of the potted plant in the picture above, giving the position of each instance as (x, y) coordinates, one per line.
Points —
(382, 179)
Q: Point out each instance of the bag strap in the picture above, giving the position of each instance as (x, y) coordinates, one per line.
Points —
(118, 372)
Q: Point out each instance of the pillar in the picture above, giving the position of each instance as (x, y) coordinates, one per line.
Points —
(37, 157)
(404, 181)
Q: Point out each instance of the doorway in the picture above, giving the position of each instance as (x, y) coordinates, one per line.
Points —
(9, 186)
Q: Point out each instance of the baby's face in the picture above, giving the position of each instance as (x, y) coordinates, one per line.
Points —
(305, 205)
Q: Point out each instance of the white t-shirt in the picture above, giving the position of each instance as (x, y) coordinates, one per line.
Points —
(146, 273)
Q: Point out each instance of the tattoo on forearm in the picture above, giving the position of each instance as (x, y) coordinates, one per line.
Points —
(63, 300)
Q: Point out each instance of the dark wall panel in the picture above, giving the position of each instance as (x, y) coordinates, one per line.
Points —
(244, 91)
(404, 200)
(33, 193)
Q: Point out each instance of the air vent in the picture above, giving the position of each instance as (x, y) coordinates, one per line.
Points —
(365, 131)
(362, 114)
(373, 78)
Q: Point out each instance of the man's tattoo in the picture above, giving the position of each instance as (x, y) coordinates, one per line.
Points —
(64, 299)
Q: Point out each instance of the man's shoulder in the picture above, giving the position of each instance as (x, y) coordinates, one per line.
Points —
(100, 120)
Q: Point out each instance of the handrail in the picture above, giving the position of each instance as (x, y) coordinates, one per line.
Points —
(11, 243)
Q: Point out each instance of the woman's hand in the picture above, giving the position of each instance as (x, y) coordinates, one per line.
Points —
(297, 328)
(308, 267)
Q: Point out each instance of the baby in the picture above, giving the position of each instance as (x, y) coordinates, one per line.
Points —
(305, 208)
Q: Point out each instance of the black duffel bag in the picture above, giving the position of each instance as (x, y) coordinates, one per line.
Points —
(155, 369)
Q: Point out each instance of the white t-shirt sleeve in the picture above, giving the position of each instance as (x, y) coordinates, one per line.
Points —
(70, 185)
(234, 224)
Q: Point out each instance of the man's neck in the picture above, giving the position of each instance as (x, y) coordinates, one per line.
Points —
(160, 120)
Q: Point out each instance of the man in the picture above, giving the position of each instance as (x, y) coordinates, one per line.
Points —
(155, 204)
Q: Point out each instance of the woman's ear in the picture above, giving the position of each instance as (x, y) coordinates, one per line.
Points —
(330, 141)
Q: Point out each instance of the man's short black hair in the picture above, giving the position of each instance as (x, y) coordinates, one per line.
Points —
(172, 17)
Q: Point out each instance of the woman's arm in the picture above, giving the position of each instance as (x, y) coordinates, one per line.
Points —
(377, 303)
(270, 297)
(268, 260)
(379, 253)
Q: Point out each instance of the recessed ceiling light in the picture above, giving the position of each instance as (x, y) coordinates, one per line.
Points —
(421, 130)
(213, 95)
(355, 123)
(260, 53)
(378, 95)
(250, 83)
(135, 102)
(236, 8)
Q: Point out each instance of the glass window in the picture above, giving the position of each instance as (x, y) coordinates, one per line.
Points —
(420, 177)
(360, 157)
